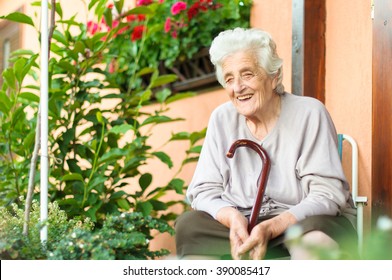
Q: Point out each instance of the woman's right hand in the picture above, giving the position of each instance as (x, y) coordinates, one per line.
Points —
(238, 225)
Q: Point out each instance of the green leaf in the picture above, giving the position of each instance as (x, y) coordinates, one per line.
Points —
(18, 17)
(180, 96)
(121, 129)
(195, 150)
(123, 204)
(177, 185)
(9, 78)
(163, 80)
(119, 4)
(22, 52)
(59, 10)
(5, 103)
(66, 66)
(29, 96)
(189, 160)
(99, 117)
(18, 68)
(144, 207)
(117, 195)
(108, 17)
(115, 153)
(145, 180)
(59, 37)
(162, 95)
(180, 136)
(196, 136)
(141, 10)
(146, 96)
(164, 158)
(73, 177)
(159, 119)
(158, 205)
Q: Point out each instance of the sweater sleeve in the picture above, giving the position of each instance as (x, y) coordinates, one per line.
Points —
(207, 185)
(319, 168)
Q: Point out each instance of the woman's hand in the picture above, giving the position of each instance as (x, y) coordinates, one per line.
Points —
(255, 246)
(238, 224)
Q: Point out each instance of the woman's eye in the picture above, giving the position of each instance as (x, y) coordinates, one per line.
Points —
(247, 76)
(229, 80)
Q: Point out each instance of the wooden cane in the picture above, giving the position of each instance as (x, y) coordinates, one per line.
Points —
(264, 176)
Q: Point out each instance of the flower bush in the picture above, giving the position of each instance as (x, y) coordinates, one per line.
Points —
(176, 31)
(100, 124)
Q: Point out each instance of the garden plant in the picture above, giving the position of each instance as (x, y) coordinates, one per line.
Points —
(102, 203)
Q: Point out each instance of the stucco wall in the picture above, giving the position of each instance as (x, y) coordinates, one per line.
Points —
(348, 81)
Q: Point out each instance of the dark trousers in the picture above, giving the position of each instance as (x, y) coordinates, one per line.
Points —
(197, 233)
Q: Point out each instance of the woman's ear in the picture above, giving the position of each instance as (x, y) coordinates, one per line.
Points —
(275, 81)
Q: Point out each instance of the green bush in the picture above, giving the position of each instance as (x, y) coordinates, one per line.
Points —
(15, 245)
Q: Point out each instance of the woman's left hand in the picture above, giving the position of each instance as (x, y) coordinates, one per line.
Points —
(256, 245)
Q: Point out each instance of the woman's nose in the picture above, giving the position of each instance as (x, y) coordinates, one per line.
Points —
(238, 84)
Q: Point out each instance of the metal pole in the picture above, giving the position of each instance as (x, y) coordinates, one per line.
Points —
(298, 13)
(44, 119)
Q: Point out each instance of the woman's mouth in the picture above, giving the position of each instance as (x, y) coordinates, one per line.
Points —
(244, 97)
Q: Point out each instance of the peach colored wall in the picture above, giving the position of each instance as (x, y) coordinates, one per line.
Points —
(275, 18)
(349, 79)
(348, 82)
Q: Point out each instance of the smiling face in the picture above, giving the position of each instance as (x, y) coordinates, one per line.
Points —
(248, 85)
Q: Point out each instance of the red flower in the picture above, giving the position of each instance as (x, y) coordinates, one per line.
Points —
(137, 32)
(110, 6)
(193, 11)
(135, 18)
(178, 7)
(143, 2)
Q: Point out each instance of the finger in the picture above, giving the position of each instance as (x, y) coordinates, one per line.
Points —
(247, 246)
(258, 252)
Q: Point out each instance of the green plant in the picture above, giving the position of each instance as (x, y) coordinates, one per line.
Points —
(15, 245)
(124, 236)
(96, 151)
(176, 31)
(376, 246)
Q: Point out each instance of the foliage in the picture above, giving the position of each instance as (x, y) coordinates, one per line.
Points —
(191, 25)
(99, 129)
(377, 244)
(176, 31)
(124, 236)
(15, 245)
(17, 129)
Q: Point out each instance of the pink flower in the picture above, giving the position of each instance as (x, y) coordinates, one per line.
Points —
(92, 27)
(161, 1)
(178, 7)
(167, 25)
(174, 34)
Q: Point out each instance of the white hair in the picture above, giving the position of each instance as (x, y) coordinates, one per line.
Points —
(252, 40)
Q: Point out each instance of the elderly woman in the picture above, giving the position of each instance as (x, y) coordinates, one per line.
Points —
(306, 184)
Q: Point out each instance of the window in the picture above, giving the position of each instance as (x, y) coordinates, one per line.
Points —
(6, 53)
(9, 42)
